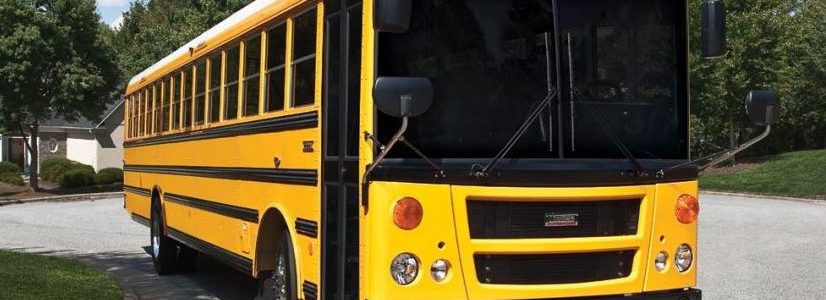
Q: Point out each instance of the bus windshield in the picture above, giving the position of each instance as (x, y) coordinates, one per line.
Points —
(619, 68)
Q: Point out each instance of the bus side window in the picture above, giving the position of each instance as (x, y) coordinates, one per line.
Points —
(214, 88)
(175, 91)
(303, 64)
(252, 73)
(276, 61)
(156, 107)
(231, 83)
(200, 92)
(165, 108)
(187, 102)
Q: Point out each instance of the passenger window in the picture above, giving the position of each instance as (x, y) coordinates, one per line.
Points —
(303, 64)
(214, 88)
(231, 84)
(175, 91)
(252, 71)
(165, 94)
(200, 92)
(276, 46)
(186, 120)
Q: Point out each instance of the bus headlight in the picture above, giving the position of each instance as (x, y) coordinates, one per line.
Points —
(439, 269)
(683, 257)
(404, 268)
(661, 260)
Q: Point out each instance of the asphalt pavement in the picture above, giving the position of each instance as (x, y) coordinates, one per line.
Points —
(750, 248)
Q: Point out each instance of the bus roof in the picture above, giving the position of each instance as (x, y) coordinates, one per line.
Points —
(233, 20)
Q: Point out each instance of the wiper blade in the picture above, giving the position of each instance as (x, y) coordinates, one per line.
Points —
(638, 169)
(535, 113)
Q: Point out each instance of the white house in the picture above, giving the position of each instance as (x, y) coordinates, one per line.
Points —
(98, 144)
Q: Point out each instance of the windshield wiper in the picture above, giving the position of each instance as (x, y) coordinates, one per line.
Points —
(638, 169)
(535, 113)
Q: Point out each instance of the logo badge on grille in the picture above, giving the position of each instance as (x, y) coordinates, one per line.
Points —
(561, 220)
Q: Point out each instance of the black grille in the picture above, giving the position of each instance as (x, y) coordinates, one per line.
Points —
(560, 219)
(553, 268)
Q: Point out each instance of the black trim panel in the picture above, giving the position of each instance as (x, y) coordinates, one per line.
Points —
(535, 172)
(137, 191)
(306, 227)
(237, 212)
(299, 121)
(687, 294)
(236, 261)
(288, 176)
(140, 219)
(310, 290)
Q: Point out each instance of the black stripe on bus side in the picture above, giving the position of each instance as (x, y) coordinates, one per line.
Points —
(140, 219)
(236, 261)
(237, 212)
(290, 176)
(137, 190)
(299, 121)
(310, 290)
(306, 227)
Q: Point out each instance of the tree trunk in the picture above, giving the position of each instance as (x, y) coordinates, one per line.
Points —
(35, 155)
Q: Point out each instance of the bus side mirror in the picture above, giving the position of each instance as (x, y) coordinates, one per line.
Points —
(762, 107)
(392, 15)
(714, 29)
(403, 96)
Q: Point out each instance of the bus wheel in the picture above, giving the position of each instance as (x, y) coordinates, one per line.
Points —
(163, 248)
(279, 284)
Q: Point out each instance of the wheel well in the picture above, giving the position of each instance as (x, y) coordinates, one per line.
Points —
(269, 232)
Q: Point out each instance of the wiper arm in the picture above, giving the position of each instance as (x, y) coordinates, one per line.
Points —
(485, 171)
(638, 169)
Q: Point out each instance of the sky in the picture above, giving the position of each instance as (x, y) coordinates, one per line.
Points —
(111, 11)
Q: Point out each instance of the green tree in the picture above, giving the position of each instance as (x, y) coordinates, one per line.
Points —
(53, 62)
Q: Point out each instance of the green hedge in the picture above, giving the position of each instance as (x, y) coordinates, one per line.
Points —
(109, 175)
(10, 173)
(77, 177)
(53, 169)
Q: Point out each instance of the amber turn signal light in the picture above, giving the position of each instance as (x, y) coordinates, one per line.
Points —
(407, 214)
(687, 209)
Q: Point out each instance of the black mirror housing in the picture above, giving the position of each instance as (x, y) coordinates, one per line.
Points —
(403, 96)
(392, 15)
(762, 107)
(714, 29)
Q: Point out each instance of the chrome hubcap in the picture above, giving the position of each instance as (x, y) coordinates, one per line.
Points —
(280, 277)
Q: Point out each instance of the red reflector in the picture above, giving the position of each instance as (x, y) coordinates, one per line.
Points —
(407, 214)
(687, 209)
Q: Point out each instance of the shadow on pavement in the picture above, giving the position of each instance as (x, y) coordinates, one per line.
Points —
(135, 275)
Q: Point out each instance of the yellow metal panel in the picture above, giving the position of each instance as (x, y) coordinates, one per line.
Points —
(630, 284)
(386, 240)
(674, 233)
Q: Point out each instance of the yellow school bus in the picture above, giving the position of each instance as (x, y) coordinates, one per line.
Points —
(427, 149)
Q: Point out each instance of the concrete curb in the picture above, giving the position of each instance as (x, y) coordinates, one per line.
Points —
(781, 198)
(63, 198)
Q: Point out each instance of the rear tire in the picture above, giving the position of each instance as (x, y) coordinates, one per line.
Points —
(279, 284)
(163, 247)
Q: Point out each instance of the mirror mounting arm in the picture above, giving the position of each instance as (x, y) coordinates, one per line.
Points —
(364, 179)
(728, 154)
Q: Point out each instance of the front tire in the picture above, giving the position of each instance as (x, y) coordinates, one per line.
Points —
(163, 247)
(279, 284)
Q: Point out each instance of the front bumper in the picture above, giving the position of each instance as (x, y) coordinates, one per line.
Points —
(687, 294)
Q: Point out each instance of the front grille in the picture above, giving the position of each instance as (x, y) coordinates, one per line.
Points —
(559, 219)
(553, 268)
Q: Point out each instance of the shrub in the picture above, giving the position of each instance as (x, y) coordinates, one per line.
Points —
(53, 169)
(77, 177)
(7, 167)
(11, 178)
(109, 175)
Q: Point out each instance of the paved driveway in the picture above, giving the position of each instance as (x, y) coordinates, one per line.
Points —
(749, 248)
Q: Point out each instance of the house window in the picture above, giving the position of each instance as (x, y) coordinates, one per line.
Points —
(303, 64)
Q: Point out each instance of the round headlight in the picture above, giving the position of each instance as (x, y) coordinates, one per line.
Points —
(404, 268)
(661, 261)
(683, 257)
(438, 270)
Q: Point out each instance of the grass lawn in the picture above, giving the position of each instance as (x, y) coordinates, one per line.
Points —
(29, 276)
(794, 174)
